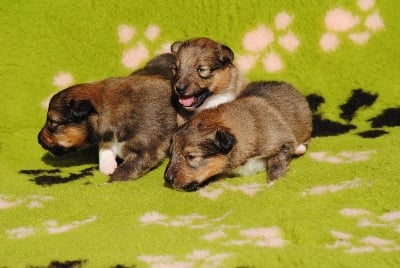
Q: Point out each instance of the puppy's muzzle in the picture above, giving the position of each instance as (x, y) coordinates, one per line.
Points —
(191, 187)
(170, 181)
(169, 177)
(46, 140)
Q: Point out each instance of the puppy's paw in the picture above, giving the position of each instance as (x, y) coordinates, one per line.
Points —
(130, 169)
(107, 161)
(300, 150)
(109, 167)
(122, 174)
(117, 176)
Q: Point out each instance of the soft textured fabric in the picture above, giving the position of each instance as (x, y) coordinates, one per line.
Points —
(338, 206)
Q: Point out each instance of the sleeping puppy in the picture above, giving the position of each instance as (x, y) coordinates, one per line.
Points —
(205, 76)
(130, 118)
(262, 129)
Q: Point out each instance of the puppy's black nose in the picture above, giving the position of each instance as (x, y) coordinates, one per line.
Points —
(180, 88)
(169, 179)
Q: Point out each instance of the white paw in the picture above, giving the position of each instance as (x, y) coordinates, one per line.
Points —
(107, 161)
(109, 167)
(300, 150)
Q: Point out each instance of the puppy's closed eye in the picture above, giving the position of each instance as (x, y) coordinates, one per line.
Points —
(194, 160)
(190, 157)
(53, 124)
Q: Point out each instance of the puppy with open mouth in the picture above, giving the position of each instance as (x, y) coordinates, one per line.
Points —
(267, 124)
(131, 118)
(204, 76)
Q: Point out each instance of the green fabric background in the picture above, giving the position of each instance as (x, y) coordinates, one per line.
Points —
(342, 210)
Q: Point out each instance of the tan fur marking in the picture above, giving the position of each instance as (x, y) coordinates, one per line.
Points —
(72, 137)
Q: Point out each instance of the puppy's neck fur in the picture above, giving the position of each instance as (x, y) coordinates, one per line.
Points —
(236, 85)
(214, 101)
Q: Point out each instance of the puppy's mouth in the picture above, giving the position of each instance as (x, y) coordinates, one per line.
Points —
(194, 185)
(191, 187)
(194, 101)
(59, 151)
(47, 142)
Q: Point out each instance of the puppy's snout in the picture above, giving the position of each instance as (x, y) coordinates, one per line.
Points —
(44, 139)
(181, 88)
(47, 141)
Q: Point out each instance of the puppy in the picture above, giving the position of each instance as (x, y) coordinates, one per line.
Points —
(262, 129)
(130, 118)
(204, 76)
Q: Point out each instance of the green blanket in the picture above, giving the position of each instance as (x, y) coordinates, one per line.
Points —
(339, 204)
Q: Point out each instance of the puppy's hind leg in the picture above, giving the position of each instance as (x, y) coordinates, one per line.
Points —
(278, 164)
(135, 165)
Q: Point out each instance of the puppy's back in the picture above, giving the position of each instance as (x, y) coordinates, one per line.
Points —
(161, 65)
(139, 105)
(292, 106)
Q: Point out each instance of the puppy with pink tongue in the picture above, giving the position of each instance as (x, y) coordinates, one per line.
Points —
(204, 76)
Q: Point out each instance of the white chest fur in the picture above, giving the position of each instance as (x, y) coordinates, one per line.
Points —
(252, 166)
(214, 101)
(108, 152)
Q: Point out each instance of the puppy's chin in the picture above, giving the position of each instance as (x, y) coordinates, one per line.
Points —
(194, 185)
(60, 151)
(48, 143)
(193, 102)
(190, 187)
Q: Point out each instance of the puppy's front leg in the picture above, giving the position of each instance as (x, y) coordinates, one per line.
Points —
(278, 164)
(107, 159)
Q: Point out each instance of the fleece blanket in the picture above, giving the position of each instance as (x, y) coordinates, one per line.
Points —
(338, 206)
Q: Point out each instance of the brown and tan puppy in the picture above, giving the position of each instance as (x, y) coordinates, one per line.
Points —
(261, 129)
(205, 76)
(130, 118)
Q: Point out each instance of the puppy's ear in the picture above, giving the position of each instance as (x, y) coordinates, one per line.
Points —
(175, 46)
(227, 55)
(224, 140)
(80, 109)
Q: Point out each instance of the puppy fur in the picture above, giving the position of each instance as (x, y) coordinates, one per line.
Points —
(130, 118)
(204, 76)
(262, 128)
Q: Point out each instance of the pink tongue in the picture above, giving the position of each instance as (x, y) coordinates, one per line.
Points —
(187, 102)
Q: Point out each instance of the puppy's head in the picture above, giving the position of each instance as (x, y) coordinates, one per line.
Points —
(160, 65)
(198, 152)
(202, 69)
(68, 125)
